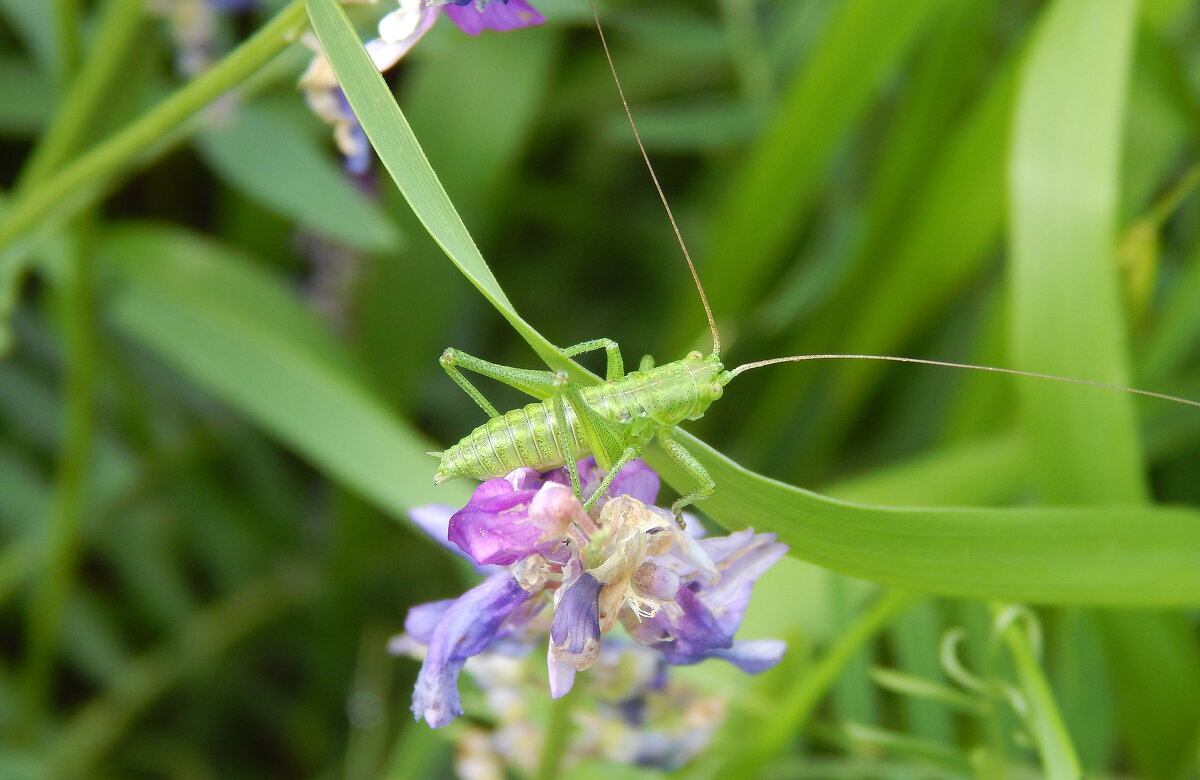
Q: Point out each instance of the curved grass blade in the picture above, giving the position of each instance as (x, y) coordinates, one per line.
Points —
(236, 332)
(402, 156)
(1069, 318)
(1117, 555)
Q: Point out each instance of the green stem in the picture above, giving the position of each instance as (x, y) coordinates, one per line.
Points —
(558, 736)
(748, 52)
(70, 504)
(116, 34)
(751, 748)
(135, 139)
(1054, 746)
(66, 38)
(207, 635)
(1162, 209)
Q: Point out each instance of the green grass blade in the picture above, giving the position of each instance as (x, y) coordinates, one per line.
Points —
(1068, 318)
(1067, 315)
(1067, 555)
(765, 204)
(238, 333)
(1138, 555)
(402, 156)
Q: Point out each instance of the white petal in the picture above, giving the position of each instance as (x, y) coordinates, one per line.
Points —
(404, 21)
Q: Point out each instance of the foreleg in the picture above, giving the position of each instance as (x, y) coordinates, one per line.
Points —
(687, 461)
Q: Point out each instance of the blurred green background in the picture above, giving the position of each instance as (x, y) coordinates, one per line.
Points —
(220, 381)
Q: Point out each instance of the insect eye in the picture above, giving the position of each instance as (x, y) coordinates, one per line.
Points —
(694, 355)
(715, 390)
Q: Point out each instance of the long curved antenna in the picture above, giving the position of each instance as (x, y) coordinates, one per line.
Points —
(948, 364)
(712, 323)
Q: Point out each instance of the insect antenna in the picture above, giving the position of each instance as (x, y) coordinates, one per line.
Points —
(712, 323)
(947, 364)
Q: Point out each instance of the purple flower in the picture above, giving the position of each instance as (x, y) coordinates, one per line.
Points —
(708, 613)
(398, 33)
(233, 6)
(465, 628)
(401, 29)
(194, 25)
(474, 18)
(512, 518)
(628, 562)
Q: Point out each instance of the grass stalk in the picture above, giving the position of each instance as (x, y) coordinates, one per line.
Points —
(116, 32)
(66, 38)
(44, 620)
(76, 181)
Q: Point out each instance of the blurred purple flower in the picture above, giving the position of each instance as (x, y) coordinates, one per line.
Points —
(399, 31)
(465, 628)
(628, 562)
(194, 25)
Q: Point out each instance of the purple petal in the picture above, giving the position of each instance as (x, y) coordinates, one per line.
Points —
(577, 616)
(499, 16)
(589, 475)
(492, 527)
(752, 657)
(502, 524)
(434, 520)
(423, 619)
(656, 581)
(574, 633)
(465, 629)
(562, 675)
(728, 598)
(637, 480)
(524, 478)
(697, 629)
(233, 6)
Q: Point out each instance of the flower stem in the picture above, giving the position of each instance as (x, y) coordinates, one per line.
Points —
(558, 735)
(136, 140)
(70, 503)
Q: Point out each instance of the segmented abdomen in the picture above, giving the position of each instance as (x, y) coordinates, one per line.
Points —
(521, 437)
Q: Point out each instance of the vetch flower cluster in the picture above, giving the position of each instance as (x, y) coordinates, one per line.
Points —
(640, 715)
(399, 31)
(553, 566)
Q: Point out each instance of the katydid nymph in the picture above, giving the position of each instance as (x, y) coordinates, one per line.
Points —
(617, 419)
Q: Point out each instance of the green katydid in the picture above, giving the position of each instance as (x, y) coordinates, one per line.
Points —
(616, 419)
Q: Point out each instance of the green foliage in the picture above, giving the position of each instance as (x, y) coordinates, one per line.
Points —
(222, 374)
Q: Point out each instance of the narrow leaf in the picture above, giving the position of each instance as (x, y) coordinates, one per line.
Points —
(235, 331)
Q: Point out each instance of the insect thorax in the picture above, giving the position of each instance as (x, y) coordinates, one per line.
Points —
(663, 396)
